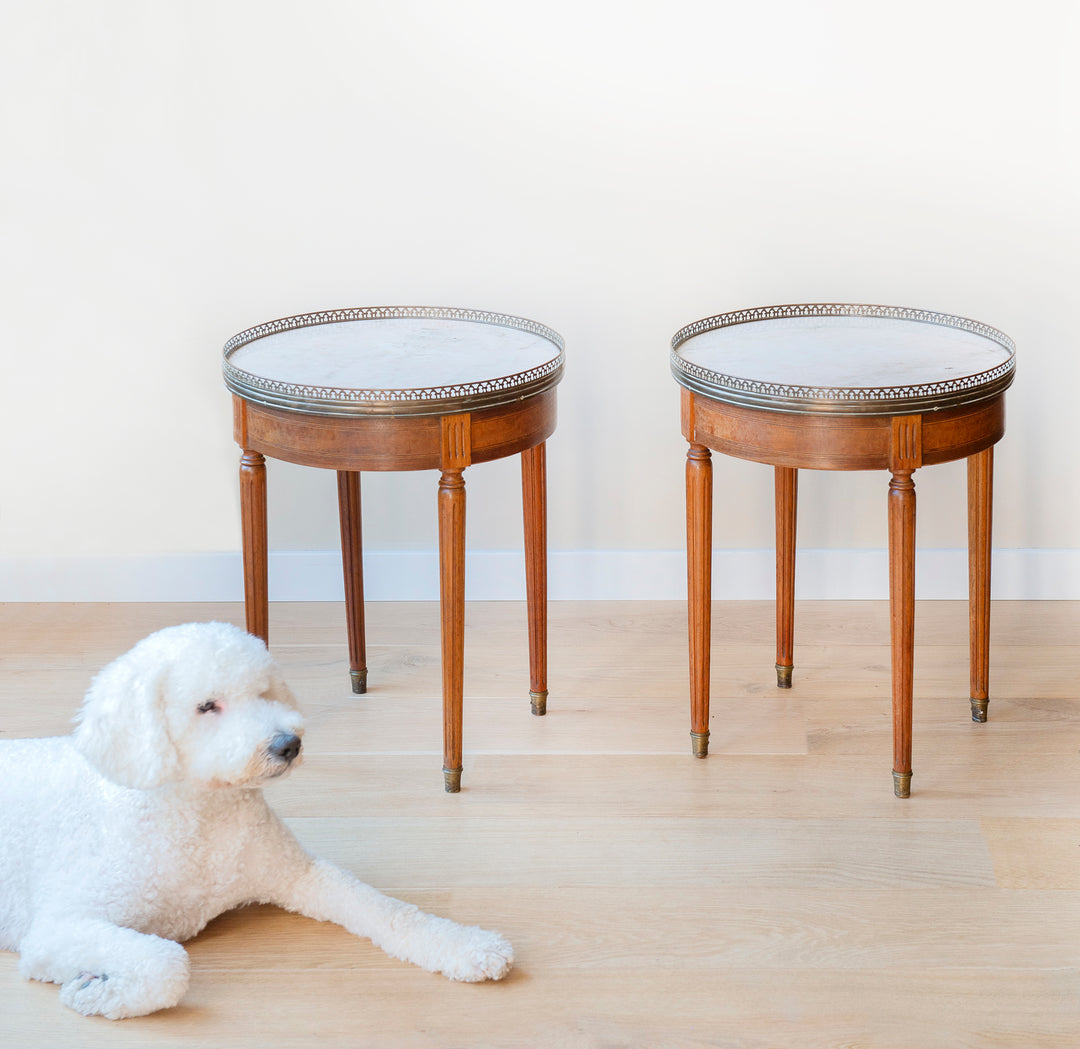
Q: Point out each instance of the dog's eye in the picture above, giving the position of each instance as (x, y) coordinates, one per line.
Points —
(209, 706)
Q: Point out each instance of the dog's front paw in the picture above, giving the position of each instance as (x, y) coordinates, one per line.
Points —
(90, 994)
(461, 952)
(475, 954)
(126, 993)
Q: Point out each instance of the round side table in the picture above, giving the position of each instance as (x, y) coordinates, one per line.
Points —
(842, 387)
(400, 388)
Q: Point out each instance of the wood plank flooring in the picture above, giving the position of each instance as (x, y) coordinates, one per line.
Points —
(773, 895)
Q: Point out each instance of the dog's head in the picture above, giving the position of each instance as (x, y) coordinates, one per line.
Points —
(203, 703)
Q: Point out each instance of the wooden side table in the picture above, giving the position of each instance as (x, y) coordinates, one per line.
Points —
(842, 387)
(400, 388)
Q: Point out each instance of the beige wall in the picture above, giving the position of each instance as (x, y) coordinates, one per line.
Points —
(176, 171)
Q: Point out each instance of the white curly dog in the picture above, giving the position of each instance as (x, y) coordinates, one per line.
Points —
(129, 835)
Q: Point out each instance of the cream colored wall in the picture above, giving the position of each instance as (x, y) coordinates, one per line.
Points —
(176, 171)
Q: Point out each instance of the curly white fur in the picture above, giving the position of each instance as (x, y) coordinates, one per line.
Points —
(131, 834)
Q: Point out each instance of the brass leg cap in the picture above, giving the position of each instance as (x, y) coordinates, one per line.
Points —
(783, 676)
(539, 702)
(978, 709)
(902, 784)
(699, 741)
(452, 780)
(359, 681)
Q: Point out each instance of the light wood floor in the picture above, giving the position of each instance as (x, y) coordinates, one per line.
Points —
(773, 895)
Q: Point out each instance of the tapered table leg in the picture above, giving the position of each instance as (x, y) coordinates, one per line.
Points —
(452, 608)
(352, 563)
(253, 532)
(902, 619)
(787, 489)
(534, 508)
(699, 589)
(980, 515)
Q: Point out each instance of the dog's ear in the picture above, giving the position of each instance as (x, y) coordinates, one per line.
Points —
(121, 728)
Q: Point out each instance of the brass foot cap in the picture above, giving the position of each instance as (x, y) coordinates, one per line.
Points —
(359, 681)
(783, 676)
(700, 743)
(452, 780)
(902, 784)
(539, 702)
(978, 709)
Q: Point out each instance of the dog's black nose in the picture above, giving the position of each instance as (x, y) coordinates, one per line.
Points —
(285, 746)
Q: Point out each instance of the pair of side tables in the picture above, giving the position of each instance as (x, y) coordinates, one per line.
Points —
(823, 387)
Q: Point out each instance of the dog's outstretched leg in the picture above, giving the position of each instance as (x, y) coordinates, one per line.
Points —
(460, 952)
(104, 969)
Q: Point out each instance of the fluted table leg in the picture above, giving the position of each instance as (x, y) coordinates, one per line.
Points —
(699, 589)
(534, 511)
(352, 563)
(787, 489)
(980, 515)
(452, 609)
(902, 619)
(253, 533)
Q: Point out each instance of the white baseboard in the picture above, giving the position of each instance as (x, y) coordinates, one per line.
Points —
(499, 576)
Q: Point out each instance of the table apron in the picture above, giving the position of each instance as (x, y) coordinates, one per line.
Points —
(841, 442)
(393, 442)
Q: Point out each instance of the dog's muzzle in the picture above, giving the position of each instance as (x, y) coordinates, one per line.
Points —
(285, 746)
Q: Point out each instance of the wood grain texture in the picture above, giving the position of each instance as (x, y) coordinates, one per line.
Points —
(786, 484)
(451, 501)
(794, 440)
(902, 612)
(645, 1005)
(773, 895)
(699, 514)
(386, 440)
(391, 442)
(253, 527)
(352, 564)
(31, 632)
(835, 442)
(534, 514)
(980, 474)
